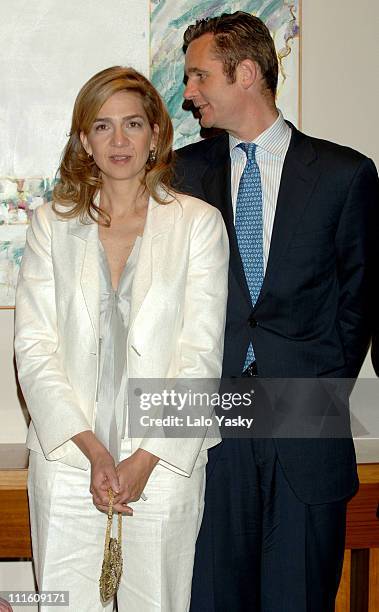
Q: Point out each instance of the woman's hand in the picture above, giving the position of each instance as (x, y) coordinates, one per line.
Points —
(103, 470)
(103, 477)
(133, 474)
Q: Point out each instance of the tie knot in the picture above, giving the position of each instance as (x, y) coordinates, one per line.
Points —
(249, 148)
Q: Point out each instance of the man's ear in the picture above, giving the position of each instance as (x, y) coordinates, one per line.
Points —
(247, 73)
(85, 143)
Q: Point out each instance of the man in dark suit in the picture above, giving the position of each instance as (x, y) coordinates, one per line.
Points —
(272, 537)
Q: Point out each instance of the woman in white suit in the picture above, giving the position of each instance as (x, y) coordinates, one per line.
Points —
(122, 278)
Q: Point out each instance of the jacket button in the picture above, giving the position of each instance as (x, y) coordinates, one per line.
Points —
(252, 321)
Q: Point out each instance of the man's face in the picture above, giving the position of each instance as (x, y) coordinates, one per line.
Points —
(208, 88)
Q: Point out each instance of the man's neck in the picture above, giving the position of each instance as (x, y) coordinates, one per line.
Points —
(254, 122)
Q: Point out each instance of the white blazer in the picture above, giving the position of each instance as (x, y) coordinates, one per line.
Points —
(176, 329)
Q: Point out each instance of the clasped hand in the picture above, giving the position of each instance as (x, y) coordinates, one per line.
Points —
(128, 479)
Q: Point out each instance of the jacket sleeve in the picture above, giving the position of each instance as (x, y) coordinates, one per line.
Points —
(50, 399)
(357, 259)
(201, 339)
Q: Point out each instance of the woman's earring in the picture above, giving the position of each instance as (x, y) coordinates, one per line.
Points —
(152, 156)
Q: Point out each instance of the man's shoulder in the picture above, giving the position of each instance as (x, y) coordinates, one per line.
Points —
(193, 161)
(331, 152)
(203, 148)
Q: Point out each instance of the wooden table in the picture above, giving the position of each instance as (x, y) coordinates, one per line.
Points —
(14, 511)
(359, 590)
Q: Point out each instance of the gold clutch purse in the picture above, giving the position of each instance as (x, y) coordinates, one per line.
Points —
(112, 563)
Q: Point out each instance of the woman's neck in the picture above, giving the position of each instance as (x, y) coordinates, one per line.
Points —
(123, 198)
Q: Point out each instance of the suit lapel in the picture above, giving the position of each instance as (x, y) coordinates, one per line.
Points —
(217, 189)
(299, 176)
(87, 251)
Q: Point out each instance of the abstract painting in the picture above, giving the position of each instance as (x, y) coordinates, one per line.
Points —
(18, 199)
(168, 23)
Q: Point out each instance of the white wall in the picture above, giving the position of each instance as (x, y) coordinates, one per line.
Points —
(18, 576)
(340, 85)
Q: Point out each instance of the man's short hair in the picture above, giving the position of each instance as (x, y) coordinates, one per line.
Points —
(239, 36)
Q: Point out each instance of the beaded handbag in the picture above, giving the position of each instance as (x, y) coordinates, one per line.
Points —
(112, 563)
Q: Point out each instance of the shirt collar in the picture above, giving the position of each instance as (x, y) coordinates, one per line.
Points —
(274, 140)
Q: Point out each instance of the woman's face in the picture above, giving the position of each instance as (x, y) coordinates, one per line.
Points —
(121, 138)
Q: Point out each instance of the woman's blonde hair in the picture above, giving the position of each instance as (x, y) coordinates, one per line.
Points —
(79, 176)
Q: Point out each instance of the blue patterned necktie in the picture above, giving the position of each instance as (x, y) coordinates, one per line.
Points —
(249, 227)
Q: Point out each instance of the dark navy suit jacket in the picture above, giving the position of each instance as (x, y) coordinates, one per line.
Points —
(314, 316)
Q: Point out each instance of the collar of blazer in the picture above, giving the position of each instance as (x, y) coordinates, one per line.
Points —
(299, 176)
(159, 220)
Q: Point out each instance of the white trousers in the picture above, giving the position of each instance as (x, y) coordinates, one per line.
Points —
(158, 540)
